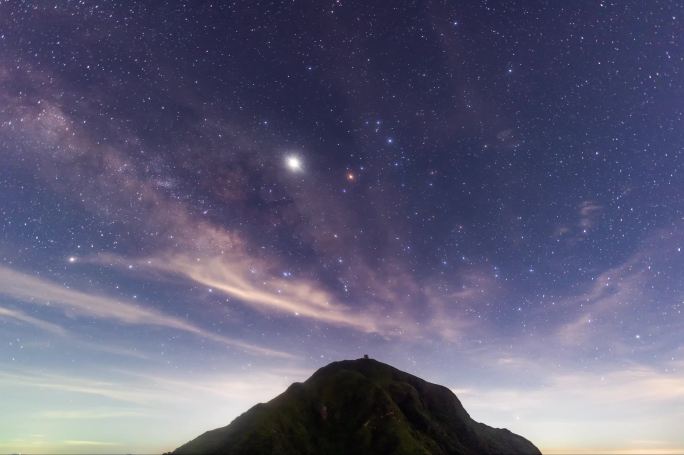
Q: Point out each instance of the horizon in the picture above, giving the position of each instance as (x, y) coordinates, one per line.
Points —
(478, 406)
(201, 203)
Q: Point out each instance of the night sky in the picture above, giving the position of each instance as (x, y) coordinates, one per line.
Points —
(201, 203)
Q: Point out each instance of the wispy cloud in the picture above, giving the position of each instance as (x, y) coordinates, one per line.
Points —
(144, 389)
(252, 283)
(589, 211)
(106, 389)
(30, 289)
(79, 442)
(25, 318)
(388, 308)
(587, 217)
(88, 414)
(618, 399)
(626, 287)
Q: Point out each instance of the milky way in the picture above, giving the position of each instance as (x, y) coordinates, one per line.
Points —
(203, 202)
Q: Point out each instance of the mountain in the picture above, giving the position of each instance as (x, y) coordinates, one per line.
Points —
(359, 407)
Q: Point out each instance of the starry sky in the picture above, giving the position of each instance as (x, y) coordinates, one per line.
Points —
(201, 203)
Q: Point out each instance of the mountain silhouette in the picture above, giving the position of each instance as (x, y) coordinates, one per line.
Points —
(359, 407)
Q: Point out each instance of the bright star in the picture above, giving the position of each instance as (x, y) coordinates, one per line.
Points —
(293, 163)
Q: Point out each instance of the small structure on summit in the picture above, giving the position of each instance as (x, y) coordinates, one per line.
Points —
(365, 356)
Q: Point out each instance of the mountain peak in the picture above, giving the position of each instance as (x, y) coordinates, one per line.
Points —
(360, 406)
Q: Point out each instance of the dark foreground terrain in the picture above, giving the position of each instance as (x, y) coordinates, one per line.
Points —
(359, 407)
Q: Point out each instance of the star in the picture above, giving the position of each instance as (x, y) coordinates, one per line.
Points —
(293, 163)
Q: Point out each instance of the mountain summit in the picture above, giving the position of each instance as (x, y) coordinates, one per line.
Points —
(359, 407)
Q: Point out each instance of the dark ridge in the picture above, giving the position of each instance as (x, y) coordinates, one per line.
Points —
(359, 407)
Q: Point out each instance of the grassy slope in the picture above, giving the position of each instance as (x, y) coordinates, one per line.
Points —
(362, 407)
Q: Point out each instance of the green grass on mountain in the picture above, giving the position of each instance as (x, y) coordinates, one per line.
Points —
(359, 407)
